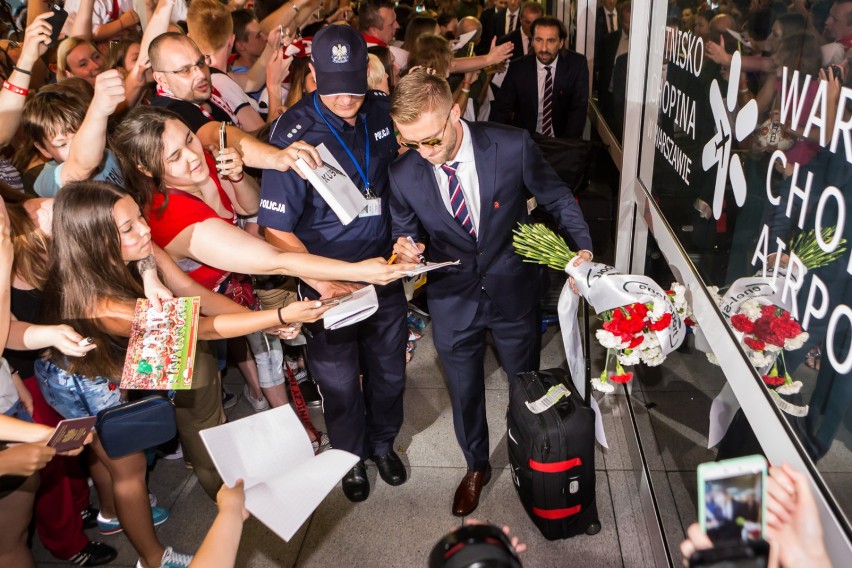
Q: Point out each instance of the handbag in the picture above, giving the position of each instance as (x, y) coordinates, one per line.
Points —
(240, 290)
(276, 292)
(134, 426)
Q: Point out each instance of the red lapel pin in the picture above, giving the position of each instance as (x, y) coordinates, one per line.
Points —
(496, 205)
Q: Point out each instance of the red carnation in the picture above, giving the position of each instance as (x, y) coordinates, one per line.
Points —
(661, 323)
(625, 378)
(768, 311)
(636, 341)
(763, 330)
(742, 323)
(689, 322)
(773, 380)
(754, 344)
(785, 328)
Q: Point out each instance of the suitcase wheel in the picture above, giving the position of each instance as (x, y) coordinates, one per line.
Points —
(593, 528)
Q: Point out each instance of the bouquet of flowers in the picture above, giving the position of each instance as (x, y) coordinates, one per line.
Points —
(677, 297)
(634, 310)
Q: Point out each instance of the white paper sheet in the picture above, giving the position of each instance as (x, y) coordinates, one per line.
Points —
(271, 452)
(332, 183)
(359, 306)
(428, 267)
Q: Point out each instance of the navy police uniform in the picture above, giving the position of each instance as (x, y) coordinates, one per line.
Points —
(362, 420)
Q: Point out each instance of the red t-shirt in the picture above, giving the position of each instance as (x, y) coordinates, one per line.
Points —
(182, 211)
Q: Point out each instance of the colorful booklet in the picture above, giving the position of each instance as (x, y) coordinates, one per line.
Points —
(161, 351)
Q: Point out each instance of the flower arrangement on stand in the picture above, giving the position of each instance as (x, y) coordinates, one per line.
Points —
(634, 310)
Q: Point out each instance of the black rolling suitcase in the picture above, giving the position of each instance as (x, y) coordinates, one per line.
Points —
(552, 455)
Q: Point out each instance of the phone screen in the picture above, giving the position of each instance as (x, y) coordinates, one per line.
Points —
(732, 492)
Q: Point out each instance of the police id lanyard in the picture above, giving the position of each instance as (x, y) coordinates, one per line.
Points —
(374, 203)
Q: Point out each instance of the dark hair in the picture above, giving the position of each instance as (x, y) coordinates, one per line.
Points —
(368, 14)
(549, 22)
(418, 26)
(242, 18)
(138, 141)
(56, 109)
(118, 52)
(86, 269)
(384, 54)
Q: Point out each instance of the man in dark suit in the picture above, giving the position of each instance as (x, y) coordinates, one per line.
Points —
(546, 92)
(521, 38)
(462, 190)
(504, 21)
(611, 72)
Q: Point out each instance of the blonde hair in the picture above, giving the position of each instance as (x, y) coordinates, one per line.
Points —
(66, 46)
(375, 72)
(417, 93)
(209, 24)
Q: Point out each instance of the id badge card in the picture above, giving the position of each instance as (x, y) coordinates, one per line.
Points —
(373, 208)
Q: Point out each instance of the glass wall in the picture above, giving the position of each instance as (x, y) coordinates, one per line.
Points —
(744, 166)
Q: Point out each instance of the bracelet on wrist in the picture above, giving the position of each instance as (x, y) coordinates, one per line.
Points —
(15, 89)
(239, 179)
(465, 91)
(24, 71)
(281, 319)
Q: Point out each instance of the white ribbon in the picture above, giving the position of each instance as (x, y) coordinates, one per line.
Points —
(605, 289)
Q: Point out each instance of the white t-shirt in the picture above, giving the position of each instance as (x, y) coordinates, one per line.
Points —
(101, 14)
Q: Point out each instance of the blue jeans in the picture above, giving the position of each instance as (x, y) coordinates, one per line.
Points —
(269, 358)
(18, 411)
(63, 390)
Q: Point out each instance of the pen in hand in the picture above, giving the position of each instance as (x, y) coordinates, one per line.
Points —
(410, 240)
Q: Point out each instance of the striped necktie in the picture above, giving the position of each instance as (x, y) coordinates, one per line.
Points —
(547, 104)
(457, 201)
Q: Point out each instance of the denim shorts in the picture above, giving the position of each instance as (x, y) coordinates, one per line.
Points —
(62, 391)
(18, 411)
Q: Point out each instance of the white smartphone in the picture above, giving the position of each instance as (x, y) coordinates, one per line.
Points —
(732, 499)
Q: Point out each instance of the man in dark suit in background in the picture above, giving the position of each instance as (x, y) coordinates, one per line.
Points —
(505, 20)
(521, 38)
(611, 71)
(462, 189)
(546, 92)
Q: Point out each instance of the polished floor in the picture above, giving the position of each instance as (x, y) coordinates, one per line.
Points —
(397, 526)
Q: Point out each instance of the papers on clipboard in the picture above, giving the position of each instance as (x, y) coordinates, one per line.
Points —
(428, 267)
(360, 305)
(284, 481)
(335, 187)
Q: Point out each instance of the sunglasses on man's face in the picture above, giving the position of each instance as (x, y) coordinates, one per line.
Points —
(432, 142)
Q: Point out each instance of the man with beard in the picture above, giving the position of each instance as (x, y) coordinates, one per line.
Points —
(183, 81)
(447, 191)
(546, 92)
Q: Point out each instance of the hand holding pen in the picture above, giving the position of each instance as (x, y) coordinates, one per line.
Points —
(407, 250)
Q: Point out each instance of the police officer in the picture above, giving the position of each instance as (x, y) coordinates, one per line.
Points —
(360, 369)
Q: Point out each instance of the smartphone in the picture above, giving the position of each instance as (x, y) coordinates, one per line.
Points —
(335, 300)
(223, 135)
(70, 434)
(56, 21)
(738, 555)
(732, 499)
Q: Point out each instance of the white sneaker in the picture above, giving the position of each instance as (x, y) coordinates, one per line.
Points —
(172, 559)
(259, 404)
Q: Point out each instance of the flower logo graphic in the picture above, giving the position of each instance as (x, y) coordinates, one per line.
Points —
(718, 149)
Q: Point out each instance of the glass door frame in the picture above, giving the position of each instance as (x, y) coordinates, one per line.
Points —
(638, 214)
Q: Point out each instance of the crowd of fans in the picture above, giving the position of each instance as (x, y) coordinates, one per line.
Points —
(115, 186)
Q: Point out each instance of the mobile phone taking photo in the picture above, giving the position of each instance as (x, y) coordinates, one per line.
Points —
(56, 21)
(732, 499)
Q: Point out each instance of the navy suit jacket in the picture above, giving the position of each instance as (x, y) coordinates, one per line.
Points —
(517, 43)
(508, 164)
(517, 100)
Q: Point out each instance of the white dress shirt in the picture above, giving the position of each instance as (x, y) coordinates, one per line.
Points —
(614, 20)
(469, 179)
(541, 76)
(517, 14)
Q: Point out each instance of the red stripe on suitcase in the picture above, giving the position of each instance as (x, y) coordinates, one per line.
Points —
(554, 467)
(556, 514)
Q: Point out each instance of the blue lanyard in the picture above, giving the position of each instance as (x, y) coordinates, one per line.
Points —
(369, 191)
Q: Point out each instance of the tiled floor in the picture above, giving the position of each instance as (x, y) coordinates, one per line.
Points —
(397, 526)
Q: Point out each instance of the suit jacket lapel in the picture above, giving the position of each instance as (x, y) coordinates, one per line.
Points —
(433, 195)
(486, 170)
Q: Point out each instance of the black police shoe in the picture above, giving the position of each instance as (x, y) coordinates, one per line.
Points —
(391, 468)
(356, 486)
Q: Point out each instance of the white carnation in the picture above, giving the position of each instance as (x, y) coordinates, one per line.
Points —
(759, 360)
(651, 340)
(714, 294)
(652, 357)
(789, 388)
(711, 357)
(771, 348)
(796, 342)
(609, 340)
(657, 310)
(750, 309)
(629, 359)
(604, 387)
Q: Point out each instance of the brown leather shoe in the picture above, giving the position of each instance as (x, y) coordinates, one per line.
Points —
(467, 494)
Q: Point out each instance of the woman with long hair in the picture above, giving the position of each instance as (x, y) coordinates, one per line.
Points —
(100, 240)
(193, 209)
